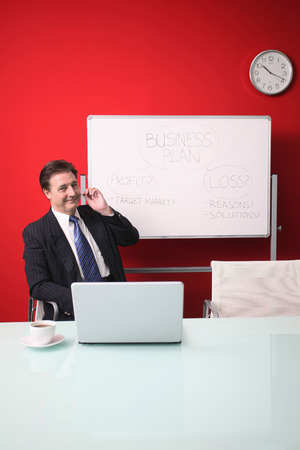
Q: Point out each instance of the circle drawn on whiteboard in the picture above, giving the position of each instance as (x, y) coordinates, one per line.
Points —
(131, 181)
(228, 182)
(179, 147)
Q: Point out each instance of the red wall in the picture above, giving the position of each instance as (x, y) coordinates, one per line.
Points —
(62, 60)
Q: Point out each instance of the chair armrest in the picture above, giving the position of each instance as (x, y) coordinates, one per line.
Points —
(40, 311)
(55, 310)
(209, 309)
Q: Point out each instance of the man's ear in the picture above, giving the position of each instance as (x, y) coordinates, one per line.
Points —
(47, 193)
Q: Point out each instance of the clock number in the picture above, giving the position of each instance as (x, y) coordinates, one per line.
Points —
(258, 80)
(282, 65)
(277, 86)
(259, 65)
(284, 73)
(270, 87)
(271, 58)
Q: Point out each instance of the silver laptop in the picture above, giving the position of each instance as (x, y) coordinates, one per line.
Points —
(128, 312)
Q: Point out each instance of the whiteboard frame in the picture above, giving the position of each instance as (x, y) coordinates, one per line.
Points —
(185, 117)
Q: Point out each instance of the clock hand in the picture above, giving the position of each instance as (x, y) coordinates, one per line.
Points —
(271, 73)
(268, 70)
(278, 76)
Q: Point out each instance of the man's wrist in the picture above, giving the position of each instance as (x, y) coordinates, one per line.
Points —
(108, 211)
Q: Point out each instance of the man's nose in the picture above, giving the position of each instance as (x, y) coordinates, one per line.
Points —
(71, 191)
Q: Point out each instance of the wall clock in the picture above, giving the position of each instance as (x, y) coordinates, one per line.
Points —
(271, 72)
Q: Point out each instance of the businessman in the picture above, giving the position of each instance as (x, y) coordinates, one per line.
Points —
(72, 243)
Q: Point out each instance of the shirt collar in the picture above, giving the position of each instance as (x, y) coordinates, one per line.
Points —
(64, 218)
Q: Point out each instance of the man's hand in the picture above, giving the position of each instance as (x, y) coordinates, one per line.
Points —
(97, 202)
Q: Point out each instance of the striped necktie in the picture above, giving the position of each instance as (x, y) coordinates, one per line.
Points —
(85, 254)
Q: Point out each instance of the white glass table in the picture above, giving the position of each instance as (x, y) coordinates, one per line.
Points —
(231, 384)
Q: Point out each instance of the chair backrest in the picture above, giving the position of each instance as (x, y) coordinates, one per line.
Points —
(256, 288)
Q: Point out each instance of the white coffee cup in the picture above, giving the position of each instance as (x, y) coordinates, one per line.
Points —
(42, 331)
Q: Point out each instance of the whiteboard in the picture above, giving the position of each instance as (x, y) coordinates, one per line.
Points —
(184, 176)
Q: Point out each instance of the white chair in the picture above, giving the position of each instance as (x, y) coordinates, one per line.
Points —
(254, 288)
(36, 310)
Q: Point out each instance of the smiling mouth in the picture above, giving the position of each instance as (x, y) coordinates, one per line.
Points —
(71, 200)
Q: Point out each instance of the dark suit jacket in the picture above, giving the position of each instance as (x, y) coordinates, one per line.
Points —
(50, 264)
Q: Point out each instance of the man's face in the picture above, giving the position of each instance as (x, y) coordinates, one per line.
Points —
(64, 193)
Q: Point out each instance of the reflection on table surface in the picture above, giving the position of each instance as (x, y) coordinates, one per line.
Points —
(232, 383)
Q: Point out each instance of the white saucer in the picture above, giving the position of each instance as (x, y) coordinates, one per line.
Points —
(27, 340)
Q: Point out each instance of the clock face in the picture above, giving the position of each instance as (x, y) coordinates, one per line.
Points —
(271, 72)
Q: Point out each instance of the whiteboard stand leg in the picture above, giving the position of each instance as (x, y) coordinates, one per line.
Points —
(83, 188)
(273, 255)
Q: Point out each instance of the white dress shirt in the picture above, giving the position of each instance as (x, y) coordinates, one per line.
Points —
(68, 229)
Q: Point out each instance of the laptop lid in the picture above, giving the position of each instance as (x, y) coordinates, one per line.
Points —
(128, 312)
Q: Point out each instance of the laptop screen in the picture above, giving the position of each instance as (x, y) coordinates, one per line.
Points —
(128, 312)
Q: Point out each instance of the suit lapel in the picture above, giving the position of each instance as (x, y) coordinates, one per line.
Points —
(62, 247)
(98, 231)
